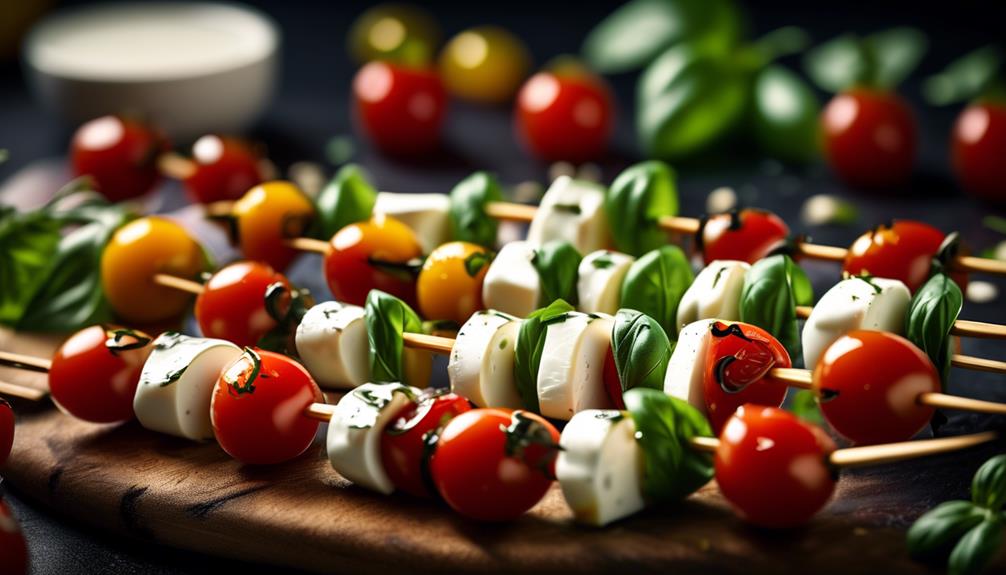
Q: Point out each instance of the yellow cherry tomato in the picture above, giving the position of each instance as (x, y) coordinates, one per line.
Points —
(402, 33)
(485, 64)
(267, 216)
(450, 283)
(349, 264)
(136, 252)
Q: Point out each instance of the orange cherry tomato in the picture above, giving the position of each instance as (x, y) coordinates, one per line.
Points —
(484, 64)
(902, 251)
(747, 236)
(13, 549)
(6, 430)
(119, 154)
(450, 283)
(266, 217)
(225, 168)
(565, 116)
(232, 305)
(353, 264)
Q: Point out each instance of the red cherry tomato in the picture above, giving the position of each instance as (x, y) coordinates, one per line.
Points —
(6, 430)
(868, 384)
(565, 116)
(404, 449)
(258, 408)
(869, 137)
(94, 373)
(772, 467)
(225, 168)
(739, 358)
(232, 305)
(612, 383)
(13, 548)
(494, 464)
(400, 109)
(903, 251)
(747, 236)
(119, 154)
(979, 146)
(349, 263)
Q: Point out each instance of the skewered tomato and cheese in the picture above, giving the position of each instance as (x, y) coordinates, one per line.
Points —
(748, 236)
(903, 250)
(234, 302)
(573, 211)
(449, 286)
(331, 341)
(715, 293)
(266, 217)
(353, 252)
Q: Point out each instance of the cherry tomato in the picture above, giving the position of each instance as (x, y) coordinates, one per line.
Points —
(612, 383)
(747, 236)
(348, 264)
(450, 283)
(119, 154)
(94, 373)
(739, 358)
(400, 109)
(869, 137)
(405, 452)
(136, 252)
(903, 251)
(13, 548)
(233, 303)
(396, 32)
(225, 168)
(868, 384)
(565, 116)
(267, 216)
(258, 408)
(494, 464)
(484, 64)
(772, 467)
(6, 430)
(979, 146)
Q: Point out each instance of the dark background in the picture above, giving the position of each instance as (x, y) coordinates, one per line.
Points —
(311, 108)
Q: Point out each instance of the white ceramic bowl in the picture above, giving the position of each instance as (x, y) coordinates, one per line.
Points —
(192, 68)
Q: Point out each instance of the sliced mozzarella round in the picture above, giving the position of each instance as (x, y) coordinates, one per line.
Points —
(426, 214)
(331, 340)
(499, 387)
(599, 284)
(354, 432)
(471, 352)
(571, 210)
(854, 303)
(570, 375)
(600, 466)
(176, 384)
(686, 368)
(716, 292)
(511, 284)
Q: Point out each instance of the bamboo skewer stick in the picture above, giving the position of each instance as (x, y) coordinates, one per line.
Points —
(22, 391)
(26, 362)
(961, 327)
(181, 284)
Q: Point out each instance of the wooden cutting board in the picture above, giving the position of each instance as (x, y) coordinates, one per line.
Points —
(141, 484)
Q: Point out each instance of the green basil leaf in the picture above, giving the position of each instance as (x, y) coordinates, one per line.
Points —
(896, 52)
(804, 405)
(469, 222)
(988, 488)
(664, 426)
(557, 262)
(348, 198)
(769, 299)
(976, 548)
(387, 319)
(966, 78)
(837, 64)
(527, 351)
(28, 243)
(882, 60)
(931, 315)
(655, 284)
(786, 115)
(935, 533)
(635, 202)
(641, 350)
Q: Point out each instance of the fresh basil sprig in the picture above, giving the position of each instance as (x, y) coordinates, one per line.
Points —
(527, 352)
(635, 202)
(348, 198)
(977, 74)
(773, 287)
(785, 115)
(557, 262)
(881, 60)
(931, 315)
(387, 319)
(664, 426)
(641, 350)
(469, 221)
(655, 284)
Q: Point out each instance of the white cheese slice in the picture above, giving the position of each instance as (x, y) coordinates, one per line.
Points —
(176, 384)
(854, 303)
(499, 387)
(571, 210)
(686, 369)
(600, 466)
(570, 375)
(471, 351)
(426, 214)
(354, 432)
(511, 284)
(716, 292)
(599, 283)
(331, 341)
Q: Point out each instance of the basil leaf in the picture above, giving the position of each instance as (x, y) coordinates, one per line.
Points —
(785, 115)
(28, 243)
(931, 315)
(641, 350)
(635, 202)
(348, 198)
(976, 548)
(387, 319)
(935, 533)
(469, 198)
(837, 64)
(966, 78)
(664, 426)
(557, 262)
(804, 405)
(655, 284)
(769, 299)
(527, 352)
(988, 488)
(896, 53)
(882, 60)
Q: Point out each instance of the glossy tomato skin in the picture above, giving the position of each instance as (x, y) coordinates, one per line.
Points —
(772, 467)
(348, 267)
(6, 430)
(266, 217)
(404, 450)
(484, 64)
(120, 154)
(447, 288)
(739, 358)
(13, 548)
(565, 116)
(612, 383)
(225, 168)
(979, 146)
(903, 251)
(259, 419)
(95, 371)
(868, 384)
(400, 109)
(232, 305)
(480, 477)
(869, 137)
(747, 236)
